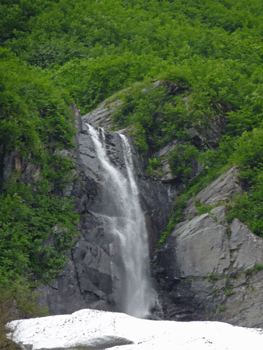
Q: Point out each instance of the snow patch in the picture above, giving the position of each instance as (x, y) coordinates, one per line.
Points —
(93, 329)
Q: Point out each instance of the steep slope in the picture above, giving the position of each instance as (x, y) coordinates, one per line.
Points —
(210, 266)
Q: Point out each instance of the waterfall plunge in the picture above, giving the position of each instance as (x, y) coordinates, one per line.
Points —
(128, 229)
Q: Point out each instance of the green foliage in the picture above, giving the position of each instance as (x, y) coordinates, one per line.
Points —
(249, 206)
(221, 308)
(212, 278)
(33, 113)
(202, 208)
(229, 291)
(255, 269)
(17, 300)
(157, 115)
(175, 218)
(249, 154)
(36, 229)
(90, 81)
(181, 160)
(153, 166)
(15, 16)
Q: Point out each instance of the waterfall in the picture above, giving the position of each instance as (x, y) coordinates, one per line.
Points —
(127, 226)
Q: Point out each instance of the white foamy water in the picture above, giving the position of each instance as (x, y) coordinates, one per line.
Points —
(127, 225)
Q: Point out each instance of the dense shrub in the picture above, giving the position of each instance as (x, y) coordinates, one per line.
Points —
(181, 160)
(36, 227)
(157, 115)
(17, 301)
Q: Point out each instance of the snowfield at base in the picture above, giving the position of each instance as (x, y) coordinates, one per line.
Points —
(92, 329)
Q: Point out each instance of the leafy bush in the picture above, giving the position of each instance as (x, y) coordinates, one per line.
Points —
(203, 208)
(249, 155)
(154, 164)
(157, 115)
(181, 159)
(17, 301)
(34, 115)
(36, 229)
(176, 217)
(248, 207)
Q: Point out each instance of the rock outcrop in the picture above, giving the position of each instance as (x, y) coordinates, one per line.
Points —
(92, 329)
(215, 263)
(91, 278)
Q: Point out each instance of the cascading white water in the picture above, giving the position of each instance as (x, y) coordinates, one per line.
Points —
(127, 225)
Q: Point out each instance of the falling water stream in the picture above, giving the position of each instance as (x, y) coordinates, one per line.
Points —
(127, 225)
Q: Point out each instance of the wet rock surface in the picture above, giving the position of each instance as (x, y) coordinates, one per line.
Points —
(92, 276)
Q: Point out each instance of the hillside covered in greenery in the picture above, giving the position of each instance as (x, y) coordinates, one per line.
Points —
(57, 52)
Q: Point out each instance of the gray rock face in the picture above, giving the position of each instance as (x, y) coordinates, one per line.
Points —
(221, 189)
(101, 115)
(201, 247)
(215, 264)
(245, 246)
(211, 135)
(217, 192)
(92, 276)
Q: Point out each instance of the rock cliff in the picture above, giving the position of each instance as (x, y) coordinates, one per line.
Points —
(91, 278)
(211, 269)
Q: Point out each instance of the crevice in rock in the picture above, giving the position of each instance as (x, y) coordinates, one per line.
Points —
(76, 270)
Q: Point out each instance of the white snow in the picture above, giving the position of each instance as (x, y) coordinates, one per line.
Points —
(93, 329)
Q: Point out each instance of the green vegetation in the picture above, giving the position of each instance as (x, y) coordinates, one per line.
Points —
(255, 269)
(214, 292)
(176, 217)
(181, 159)
(35, 125)
(154, 167)
(156, 114)
(212, 278)
(229, 291)
(221, 308)
(202, 208)
(206, 53)
(17, 301)
(35, 229)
